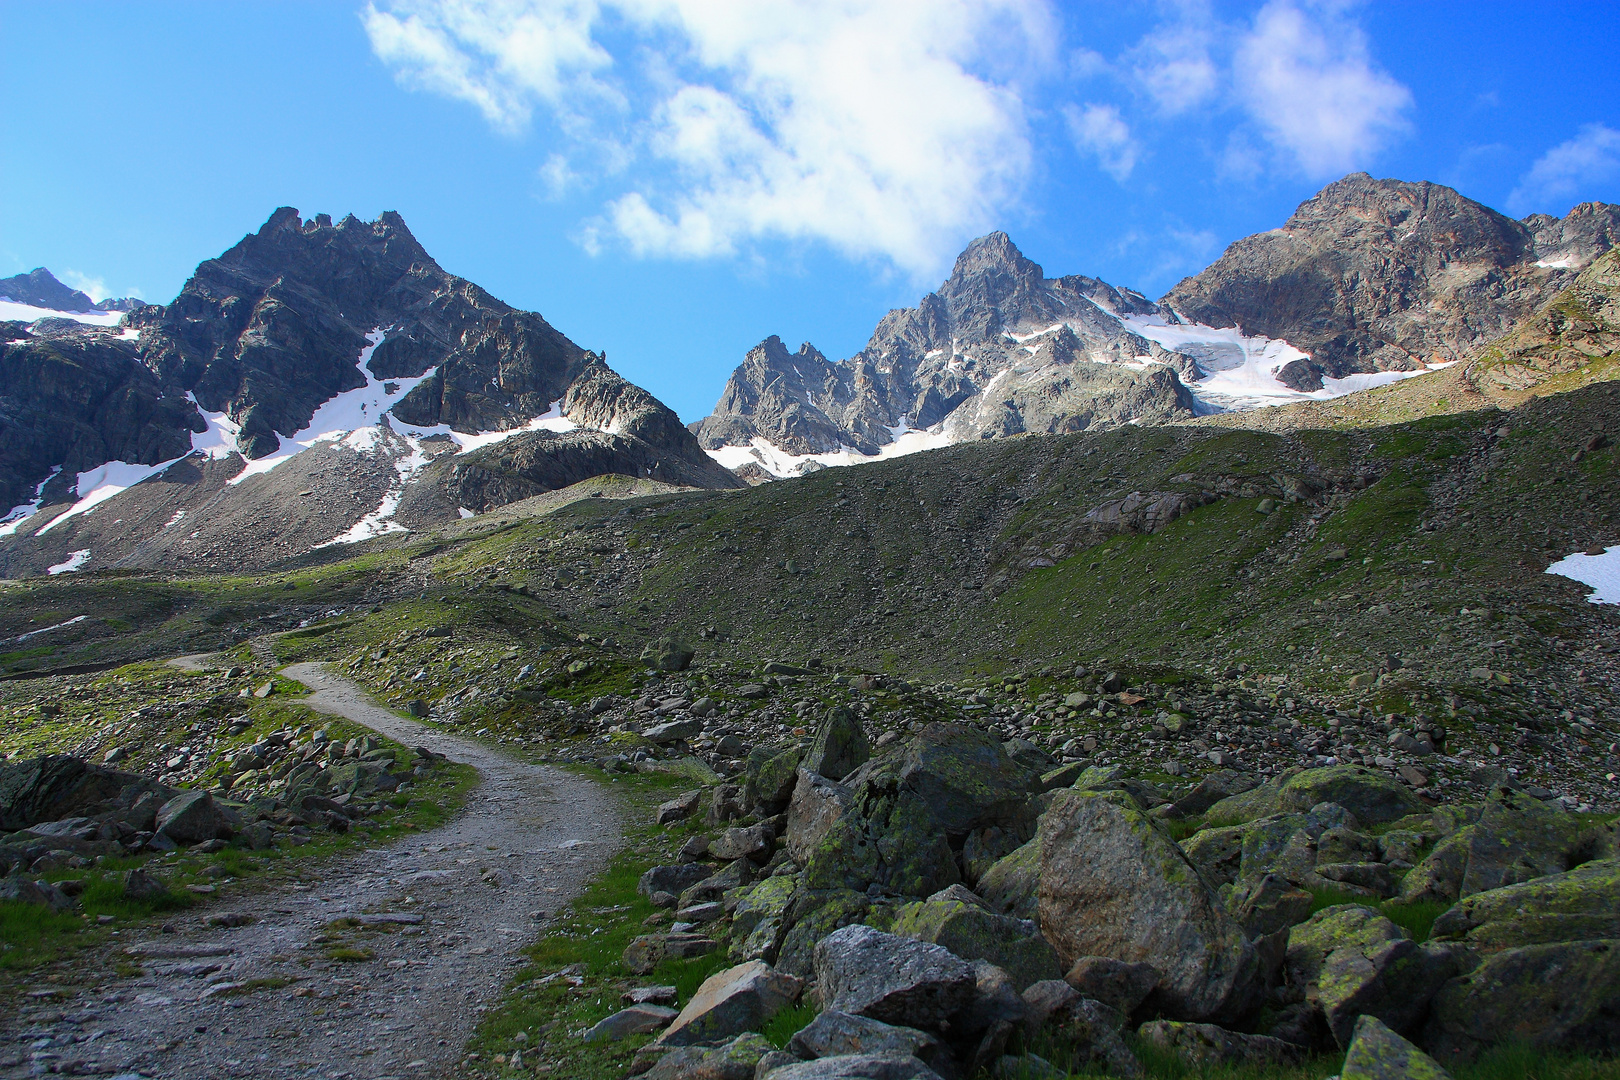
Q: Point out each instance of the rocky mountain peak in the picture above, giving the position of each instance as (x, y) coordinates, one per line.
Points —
(40, 288)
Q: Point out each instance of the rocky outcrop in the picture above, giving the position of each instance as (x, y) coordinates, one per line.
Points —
(1575, 327)
(39, 288)
(1373, 275)
(999, 349)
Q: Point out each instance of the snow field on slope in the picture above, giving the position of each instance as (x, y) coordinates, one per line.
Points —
(782, 464)
(1602, 572)
(11, 311)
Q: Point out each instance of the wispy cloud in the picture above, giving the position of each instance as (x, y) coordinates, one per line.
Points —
(888, 130)
(1560, 175)
(1305, 76)
(1098, 130)
(93, 287)
(1174, 64)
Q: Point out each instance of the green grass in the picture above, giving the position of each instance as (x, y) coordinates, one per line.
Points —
(32, 935)
(788, 1023)
(1416, 919)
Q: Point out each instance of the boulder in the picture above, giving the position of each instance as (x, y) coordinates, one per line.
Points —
(834, 1034)
(817, 806)
(648, 951)
(908, 805)
(1257, 802)
(1113, 883)
(1010, 885)
(769, 776)
(192, 817)
(856, 1067)
(24, 890)
(731, 1002)
(1218, 785)
(840, 745)
(1202, 1046)
(1583, 904)
(1089, 1029)
(638, 1019)
(59, 786)
(1120, 985)
(984, 847)
(1375, 798)
(757, 921)
(753, 842)
(893, 979)
(1216, 852)
(1377, 1053)
(669, 654)
(679, 808)
(991, 1021)
(1351, 961)
(1559, 998)
(813, 914)
(1029, 755)
(973, 932)
(142, 887)
(1271, 904)
(737, 1059)
(1114, 778)
(715, 886)
(672, 879)
(1285, 845)
(1516, 839)
(673, 731)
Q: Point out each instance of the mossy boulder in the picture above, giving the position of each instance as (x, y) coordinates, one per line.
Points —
(1114, 883)
(840, 745)
(1010, 885)
(812, 915)
(1216, 853)
(1377, 1053)
(1558, 998)
(1375, 798)
(959, 921)
(757, 920)
(1515, 840)
(1350, 961)
(769, 776)
(1257, 802)
(1215, 786)
(1580, 904)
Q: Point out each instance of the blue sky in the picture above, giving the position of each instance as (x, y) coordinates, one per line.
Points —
(672, 181)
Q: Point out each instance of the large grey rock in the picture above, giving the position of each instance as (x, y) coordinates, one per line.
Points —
(672, 879)
(673, 731)
(834, 1033)
(192, 817)
(1202, 1046)
(757, 920)
(731, 1002)
(1215, 786)
(737, 1059)
(769, 776)
(1120, 985)
(1268, 905)
(25, 890)
(753, 842)
(893, 979)
(973, 932)
(1560, 998)
(649, 950)
(1012, 882)
(812, 914)
(840, 745)
(57, 786)
(1088, 1029)
(1516, 839)
(1113, 883)
(1582, 904)
(856, 1067)
(817, 806)
(1377, 1053)
(1216, 852)
(1352, 961)
(638, 1019)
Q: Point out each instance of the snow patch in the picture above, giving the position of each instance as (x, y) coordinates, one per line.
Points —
(550, 420)
(464, 513)
(380, 521)
(21, 513)
(100, 484)
(781, 464)
(71, 564)
(1240, 372)
(11, 311)
(1563, 262)
(361, 407)
(1602, 572)
(58, 626)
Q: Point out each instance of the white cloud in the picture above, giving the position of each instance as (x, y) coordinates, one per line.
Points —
(888, 129)
(1308, 81)
(93, 287)
(1173, 65)
(1558, 176)
(1099, 130)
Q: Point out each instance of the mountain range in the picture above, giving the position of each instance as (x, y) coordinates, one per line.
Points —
(322, 384)
(1366, 283)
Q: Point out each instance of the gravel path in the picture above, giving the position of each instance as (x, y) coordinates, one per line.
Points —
(529, 839)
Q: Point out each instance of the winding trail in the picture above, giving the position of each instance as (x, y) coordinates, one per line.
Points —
(529, 839)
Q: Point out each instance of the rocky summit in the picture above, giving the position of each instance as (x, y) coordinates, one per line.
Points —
(319, 382)
(390, 689)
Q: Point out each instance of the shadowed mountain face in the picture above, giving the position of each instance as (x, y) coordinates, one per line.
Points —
(1382, 274)
(310, 329)
(39, 288)
(998, 349)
